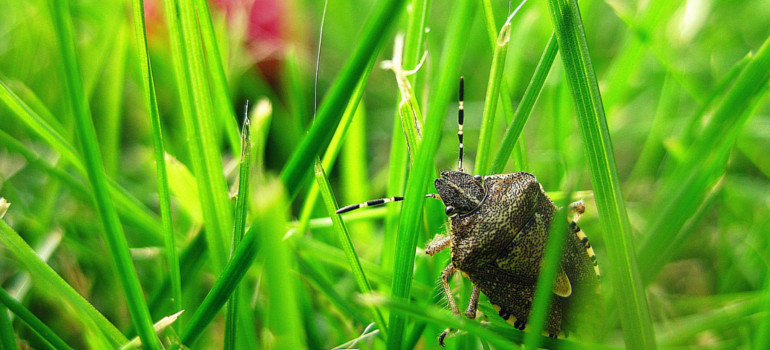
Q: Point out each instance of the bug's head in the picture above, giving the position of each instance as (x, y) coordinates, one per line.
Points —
(460, 192)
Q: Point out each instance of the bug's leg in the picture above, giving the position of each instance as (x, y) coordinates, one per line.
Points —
(460, 119)
(449, 270)
(433, 195)
(438, 244)
(368, 204)
(473, 304)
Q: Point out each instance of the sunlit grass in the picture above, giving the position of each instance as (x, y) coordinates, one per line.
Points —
(133, 195)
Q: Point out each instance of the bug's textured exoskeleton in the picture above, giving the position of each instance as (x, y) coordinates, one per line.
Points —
(498, 227)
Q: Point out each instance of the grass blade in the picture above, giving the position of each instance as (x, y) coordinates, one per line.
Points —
(33, 322)
(7, 338)
(632, 302)
(524, 109)
(50, 281)
(241, 208)
(116, 240)
(372, 37)
(347, 244)
(160, 161)
(410, 223)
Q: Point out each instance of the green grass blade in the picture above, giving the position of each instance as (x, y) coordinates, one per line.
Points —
(345, 241)
(413, 49)
(160, 161)
(33, 322)
(410, 223)
(204, 149)
(545, 280)
(116, 240)
(220, 91)
(7, 338)
(523, 111)
(372, 38)
(631, 300)
(51, 282)
(241, 209)
(492, 97)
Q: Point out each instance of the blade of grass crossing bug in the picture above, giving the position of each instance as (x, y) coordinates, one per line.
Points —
(545, 280)
(410, 223)
(241, 204)
(160, 162)
(373, 35)
(216, 71)
(524, 109)
(50, 282)
(347, 244)
(116, 240)
(207, 162)
(632, 301)
(33, 322)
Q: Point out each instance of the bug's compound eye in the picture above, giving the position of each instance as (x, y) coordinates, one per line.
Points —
(449, 210)
(477, 177)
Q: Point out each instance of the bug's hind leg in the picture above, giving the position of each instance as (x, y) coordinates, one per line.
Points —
(473, 304)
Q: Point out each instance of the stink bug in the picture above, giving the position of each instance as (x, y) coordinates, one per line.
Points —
(498, 228)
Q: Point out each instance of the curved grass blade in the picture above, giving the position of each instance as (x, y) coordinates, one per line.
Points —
(631, 299)
(50, 281)
(7, 338)
(545, 280)
(160, 161)
(33, 322)
(373, 35)
(113, 231)
(409, 227)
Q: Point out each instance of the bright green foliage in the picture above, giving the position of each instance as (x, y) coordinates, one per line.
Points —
(133, 196)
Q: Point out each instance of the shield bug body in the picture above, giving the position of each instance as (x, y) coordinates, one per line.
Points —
(498, 228)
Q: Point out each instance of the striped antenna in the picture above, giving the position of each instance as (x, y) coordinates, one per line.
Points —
(461, 120)
(370, 203)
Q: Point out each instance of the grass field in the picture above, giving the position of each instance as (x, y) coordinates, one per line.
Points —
(147, 210)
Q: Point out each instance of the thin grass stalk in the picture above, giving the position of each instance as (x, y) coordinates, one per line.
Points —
(410, 223)
(216, 71)
(413, 48)
(33, 322)
(524, 109)
(347, 243)
(116, 240)
(241, 209)
(492, 97)
(543, 298)
(164, 198)
(373, 36)
(49, 280)
(112, 100)
(632, 302)
(207, 162)
(505, 89)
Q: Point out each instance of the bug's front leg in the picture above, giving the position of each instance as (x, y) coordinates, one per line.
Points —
(473, 304)
(438, 244)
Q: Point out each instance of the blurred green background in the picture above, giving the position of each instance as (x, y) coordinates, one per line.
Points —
(683, 86)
